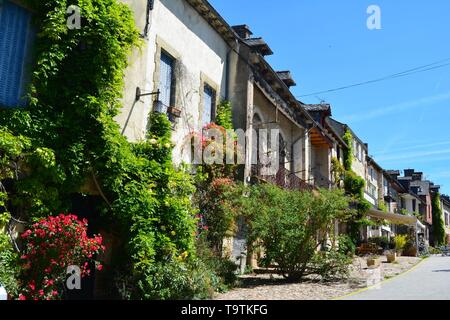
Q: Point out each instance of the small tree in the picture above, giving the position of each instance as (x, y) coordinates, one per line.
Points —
(291, 226)
(438, 221)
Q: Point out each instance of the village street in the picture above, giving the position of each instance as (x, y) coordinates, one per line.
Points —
(430, 280)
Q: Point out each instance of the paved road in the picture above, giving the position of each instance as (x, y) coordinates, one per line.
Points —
(430, 280)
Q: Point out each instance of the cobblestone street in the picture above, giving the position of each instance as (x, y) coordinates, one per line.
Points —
(266, 287)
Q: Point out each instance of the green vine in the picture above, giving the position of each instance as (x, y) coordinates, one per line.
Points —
(354, 187)
(224, 116)
(348, 152)
(73, 141)
(438, 221)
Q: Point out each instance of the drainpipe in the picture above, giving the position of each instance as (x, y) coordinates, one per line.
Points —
(233, 48)
(150, 6)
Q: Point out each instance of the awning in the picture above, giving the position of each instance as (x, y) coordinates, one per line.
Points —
(395, 218)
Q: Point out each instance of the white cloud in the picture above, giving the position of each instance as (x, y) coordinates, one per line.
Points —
(379, 112)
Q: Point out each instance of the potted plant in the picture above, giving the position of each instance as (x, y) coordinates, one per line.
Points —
(391, 256)
(400, 243)
(373, 262)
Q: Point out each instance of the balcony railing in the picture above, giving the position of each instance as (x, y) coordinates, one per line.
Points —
(284, 178)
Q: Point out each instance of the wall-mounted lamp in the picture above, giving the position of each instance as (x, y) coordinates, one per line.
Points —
(140, 94)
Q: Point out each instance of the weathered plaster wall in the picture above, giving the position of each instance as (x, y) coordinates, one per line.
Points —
(133, 115)
(200, 54)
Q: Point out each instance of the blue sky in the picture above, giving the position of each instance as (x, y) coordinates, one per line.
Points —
(326, 44)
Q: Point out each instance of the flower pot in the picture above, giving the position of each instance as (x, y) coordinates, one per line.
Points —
(373, 263)
(391, 257)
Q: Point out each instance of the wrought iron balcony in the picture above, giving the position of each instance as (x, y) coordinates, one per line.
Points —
(284, 178)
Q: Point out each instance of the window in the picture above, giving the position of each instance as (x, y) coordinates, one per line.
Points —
(209, 104)
(16, 36)
(414, 205)
(166, 81)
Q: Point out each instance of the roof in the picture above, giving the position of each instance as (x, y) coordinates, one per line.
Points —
(323, 107)
(341, 128)
(260, 45)
(373, 163)
(286, 76)
(446, 200)
(215, 20)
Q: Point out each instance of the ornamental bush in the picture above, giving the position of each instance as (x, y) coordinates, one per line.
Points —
(217, 207)
(50, 247)
(400, 242)
(291, 226)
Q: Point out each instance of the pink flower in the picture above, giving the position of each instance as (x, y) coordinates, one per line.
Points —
(99, 267)
(22, 297)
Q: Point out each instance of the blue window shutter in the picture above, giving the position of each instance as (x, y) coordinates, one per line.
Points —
(15, 36)
(165, 82)
(208, 104)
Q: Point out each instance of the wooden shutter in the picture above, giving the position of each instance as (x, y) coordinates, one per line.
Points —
(208, 104)
(15, 38)
(165, 81)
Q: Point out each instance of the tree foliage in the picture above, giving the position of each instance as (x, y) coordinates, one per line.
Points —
(291, 226)
(438, 221)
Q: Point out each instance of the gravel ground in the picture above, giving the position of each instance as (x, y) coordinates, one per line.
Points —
(272, 287)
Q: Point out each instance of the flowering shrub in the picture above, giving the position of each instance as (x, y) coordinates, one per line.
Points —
(50, 247)
(217, 203)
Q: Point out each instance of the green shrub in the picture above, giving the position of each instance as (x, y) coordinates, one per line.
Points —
(346, 245)
(175, 280)
(433, 250)
(217, 206)
(382, 242)
(9, 270)
(331, 265)
(286, 224)
(223, 268)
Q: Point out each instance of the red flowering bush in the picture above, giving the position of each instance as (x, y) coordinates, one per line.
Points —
(50, 247)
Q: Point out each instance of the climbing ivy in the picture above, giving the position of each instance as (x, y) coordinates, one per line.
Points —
(72, 140)
(348, 152)
(224, 116)
(354, 187)
(438, 221)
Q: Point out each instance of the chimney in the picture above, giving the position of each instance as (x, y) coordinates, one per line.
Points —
(393, 173)
(243, 31)
(417, 176)
(409, 172)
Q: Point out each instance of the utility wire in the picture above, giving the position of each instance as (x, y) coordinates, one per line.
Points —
(427, 67)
